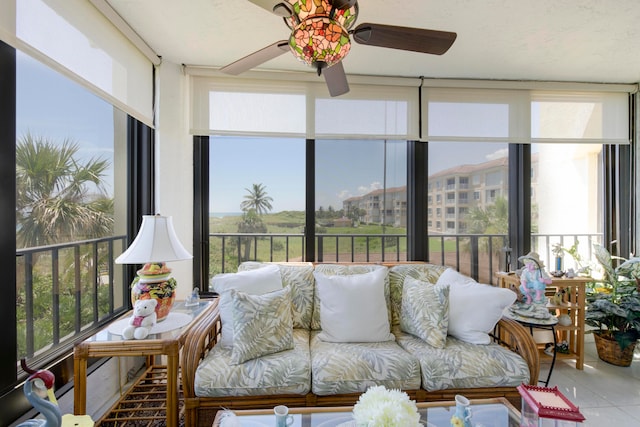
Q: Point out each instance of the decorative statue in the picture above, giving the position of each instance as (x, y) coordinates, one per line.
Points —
(37, 388)
(533, 279)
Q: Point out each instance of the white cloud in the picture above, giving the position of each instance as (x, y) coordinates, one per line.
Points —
(498, 154)
(373, 186)
(344, 194)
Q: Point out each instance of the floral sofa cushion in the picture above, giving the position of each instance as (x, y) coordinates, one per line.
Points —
(353, 367)
(398, 273)
(285, 372)
(343, 269)
(465, 365)
(299, 277)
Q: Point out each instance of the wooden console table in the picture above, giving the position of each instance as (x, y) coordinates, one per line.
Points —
(573, 304)
(162, 378)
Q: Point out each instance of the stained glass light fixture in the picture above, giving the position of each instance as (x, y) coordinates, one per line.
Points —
(319, 35)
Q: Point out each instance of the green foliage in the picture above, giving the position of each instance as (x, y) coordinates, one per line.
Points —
(614, 304)
(257, 199)
(59, 198)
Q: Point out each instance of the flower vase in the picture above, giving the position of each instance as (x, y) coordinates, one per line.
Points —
(462, 417)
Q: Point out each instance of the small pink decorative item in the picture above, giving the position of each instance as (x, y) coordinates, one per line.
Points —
(542, 407)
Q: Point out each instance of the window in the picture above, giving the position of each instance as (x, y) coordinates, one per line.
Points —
(261, 195)
(451, 183)
(360, 171)
(65, 137)
(563, 216)
(473, 159)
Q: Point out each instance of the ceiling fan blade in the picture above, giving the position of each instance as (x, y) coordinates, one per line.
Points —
(342, 4)
(336, 79)
(256, 58)
(404, 38)
(279, 7)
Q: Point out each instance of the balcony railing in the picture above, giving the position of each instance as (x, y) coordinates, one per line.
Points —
(66, 291)
(477, 255)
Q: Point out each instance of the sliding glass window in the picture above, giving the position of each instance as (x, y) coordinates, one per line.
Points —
(256, 200)
(361, 200)
(70, 209)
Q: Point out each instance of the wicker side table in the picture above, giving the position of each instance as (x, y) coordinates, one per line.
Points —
(155, 394)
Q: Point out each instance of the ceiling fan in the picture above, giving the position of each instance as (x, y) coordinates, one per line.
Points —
(320, 31)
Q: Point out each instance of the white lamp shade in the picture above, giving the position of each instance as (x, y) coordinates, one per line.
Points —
(156, 242)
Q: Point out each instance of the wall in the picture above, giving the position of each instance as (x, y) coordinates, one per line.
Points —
(174, 163)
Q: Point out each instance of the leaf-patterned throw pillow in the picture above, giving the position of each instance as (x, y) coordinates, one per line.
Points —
(262, 324)
(425, 311)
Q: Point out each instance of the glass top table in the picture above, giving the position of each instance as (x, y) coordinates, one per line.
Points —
(166, 339)
(497, 412)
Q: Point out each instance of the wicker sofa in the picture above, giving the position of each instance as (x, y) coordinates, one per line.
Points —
(317, 372)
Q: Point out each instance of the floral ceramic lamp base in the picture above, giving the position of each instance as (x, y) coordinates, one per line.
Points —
(154, 281)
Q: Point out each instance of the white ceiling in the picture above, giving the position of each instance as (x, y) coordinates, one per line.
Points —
(546, 40)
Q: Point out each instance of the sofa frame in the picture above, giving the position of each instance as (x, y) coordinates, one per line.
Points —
(201, 411)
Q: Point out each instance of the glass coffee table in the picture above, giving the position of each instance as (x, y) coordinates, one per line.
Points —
(497, 412)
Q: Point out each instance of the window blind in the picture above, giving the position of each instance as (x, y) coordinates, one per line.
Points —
(74, 38)
(525, 116)
(301, 108)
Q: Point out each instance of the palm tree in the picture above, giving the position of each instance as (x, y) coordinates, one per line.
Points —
(251, 223)
(257, 199)
(492, 219)
(59, 198)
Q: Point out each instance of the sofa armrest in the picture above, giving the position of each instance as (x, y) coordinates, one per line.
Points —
(517, 338)
(201, 338)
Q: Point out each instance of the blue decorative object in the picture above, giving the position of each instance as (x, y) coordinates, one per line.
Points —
(462, 417)
(38, 384)
(533, 279)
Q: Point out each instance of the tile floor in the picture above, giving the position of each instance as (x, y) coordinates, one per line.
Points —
(607, 395)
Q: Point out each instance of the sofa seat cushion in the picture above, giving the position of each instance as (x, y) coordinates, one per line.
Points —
(353, 367)
(464, 365)
(285, 372)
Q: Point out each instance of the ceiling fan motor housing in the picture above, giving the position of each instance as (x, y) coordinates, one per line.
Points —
(319, 33)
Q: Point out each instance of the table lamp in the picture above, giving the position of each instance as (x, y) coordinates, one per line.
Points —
(155, 244)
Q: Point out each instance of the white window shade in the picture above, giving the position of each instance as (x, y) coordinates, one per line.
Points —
(525, 115)
(74, 38)
(247, 107)
(370, 112)
(272, 106)
(582, 117)
(475, 115)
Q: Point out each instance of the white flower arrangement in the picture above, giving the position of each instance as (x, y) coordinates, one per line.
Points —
(379, 407)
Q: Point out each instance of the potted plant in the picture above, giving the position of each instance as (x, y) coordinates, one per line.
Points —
(614, 308)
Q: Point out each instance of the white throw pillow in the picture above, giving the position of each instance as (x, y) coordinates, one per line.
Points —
(474, 308)
(353, 307)
(253, 282)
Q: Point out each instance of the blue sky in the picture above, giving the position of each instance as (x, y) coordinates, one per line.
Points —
(53, 106)
(345, 168)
